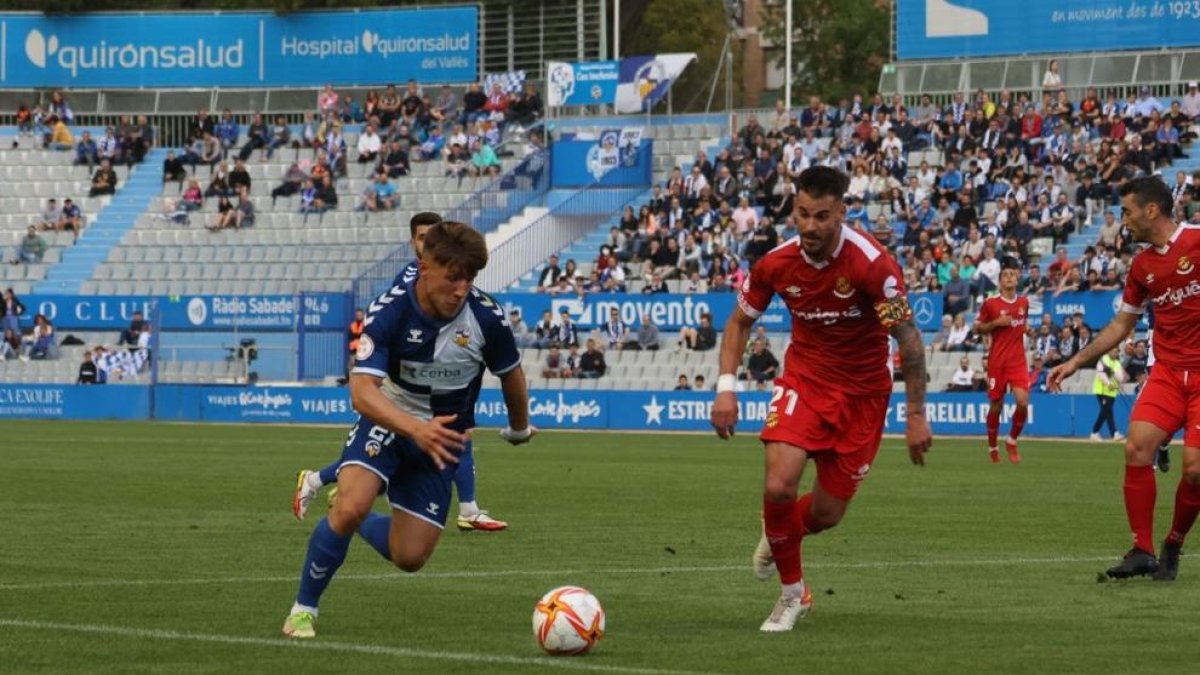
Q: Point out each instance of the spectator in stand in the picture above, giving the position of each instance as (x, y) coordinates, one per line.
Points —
(434, 144)
(956, 293)
(104, 181)
(11, 311)
(308, 198)
(960, 338)
(173, 169)
(32, 248)
(327, 197)
(615, 330)
(700, 339)
(225, 216)
(395, 160)
(591, 363)
(87, 153)
(239, 178)
(41, 342)
(327, 100)
(1052, 82)
(218, 182)
(258, 137)
(227, 132)
(698, 383)
(293, 182)
(447, 104)
(48, 220)
(380, 195)
(555, 366)
(484, 160)
(473, 101)
(571, 364)
(683, 384)
(550, 274)
(761, 366)
(647, 336)
(70, 218)
(568, 331)
(192, 198)
(524, 337)
(369, 145)
(545, 331)
(963, 379)
(10, 345)
(281, 136)
(60, 136)
(24, 120)
(88, 373)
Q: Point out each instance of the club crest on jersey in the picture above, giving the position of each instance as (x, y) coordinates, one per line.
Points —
(373, 448)
(842, 288)
(366, 347)
(1149, 278)
(462, 338)
(1184, 266)
(794, 291)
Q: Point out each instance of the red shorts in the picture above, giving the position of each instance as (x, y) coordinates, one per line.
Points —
(1169, 400)
(840, 431)
(1002, 378)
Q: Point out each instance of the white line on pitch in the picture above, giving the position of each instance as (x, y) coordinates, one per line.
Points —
(346, 647)
(491, 574)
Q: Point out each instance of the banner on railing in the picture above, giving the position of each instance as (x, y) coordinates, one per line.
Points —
(618, 158)
(634, 84)
(307, 49)
(674, 311)
(948, 414)
(319, 311)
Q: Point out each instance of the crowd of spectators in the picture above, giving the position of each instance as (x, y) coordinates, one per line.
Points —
(398, 128)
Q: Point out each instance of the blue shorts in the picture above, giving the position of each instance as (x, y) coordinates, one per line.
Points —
(413, 482)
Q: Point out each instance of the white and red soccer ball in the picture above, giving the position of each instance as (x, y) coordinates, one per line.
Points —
(568, 621)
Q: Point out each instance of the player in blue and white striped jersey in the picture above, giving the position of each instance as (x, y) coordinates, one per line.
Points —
(415, 382)
(470, 516)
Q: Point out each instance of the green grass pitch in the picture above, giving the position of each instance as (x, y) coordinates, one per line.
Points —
(137, 548)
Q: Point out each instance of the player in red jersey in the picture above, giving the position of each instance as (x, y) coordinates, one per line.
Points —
(1004, 317)
(845, 294)
(1166, 276)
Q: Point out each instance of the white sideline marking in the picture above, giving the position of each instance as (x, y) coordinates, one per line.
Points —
(492, 574)
(346, 647)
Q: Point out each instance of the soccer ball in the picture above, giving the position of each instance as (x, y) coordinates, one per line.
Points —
(568, 621)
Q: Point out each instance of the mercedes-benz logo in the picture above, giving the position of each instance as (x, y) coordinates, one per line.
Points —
(923, 310)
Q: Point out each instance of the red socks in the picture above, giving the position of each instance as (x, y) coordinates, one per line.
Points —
(784, 539)
(786, 525)
(993, 427)
(1140, 493)
(1187, 505)
(1018, 421)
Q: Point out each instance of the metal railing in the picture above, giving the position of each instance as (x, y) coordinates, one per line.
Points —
(566, 222)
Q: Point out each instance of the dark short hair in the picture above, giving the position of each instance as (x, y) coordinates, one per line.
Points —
(822, 181)
(1149, 190)
(421, 220)
(456, 246)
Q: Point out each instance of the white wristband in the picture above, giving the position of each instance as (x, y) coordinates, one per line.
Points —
(726, 382)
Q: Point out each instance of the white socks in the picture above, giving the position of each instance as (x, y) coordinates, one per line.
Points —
(468, 509)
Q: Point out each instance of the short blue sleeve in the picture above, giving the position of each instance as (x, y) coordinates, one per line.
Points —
(384, 321)
(500, 353)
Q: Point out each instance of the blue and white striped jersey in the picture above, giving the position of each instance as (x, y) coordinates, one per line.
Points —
(434, 367)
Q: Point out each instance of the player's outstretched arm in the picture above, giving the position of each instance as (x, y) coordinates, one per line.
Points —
(516, 397)
(1112, 335)
(912, 367)
(733, 341)
(435, 439)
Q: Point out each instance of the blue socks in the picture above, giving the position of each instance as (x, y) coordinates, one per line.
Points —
(329, 474)
(326, 553)
(374, 530)
(464, 475)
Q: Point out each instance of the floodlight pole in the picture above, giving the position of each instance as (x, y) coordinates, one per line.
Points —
(787, 59)
(616, 30)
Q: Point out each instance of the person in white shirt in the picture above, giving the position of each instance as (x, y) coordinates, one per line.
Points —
(1052, 82)
(959, 337)
(368, 145)
(963, 378)
(987, 273)
(891, 141)
(1191, 101)
(144, 338)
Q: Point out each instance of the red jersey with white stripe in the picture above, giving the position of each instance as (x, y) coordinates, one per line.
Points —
(841, 310)
(1008, 342)
(1168, 278)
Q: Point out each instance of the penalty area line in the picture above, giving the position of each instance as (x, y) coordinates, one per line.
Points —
(494, 574)
(164, 635)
